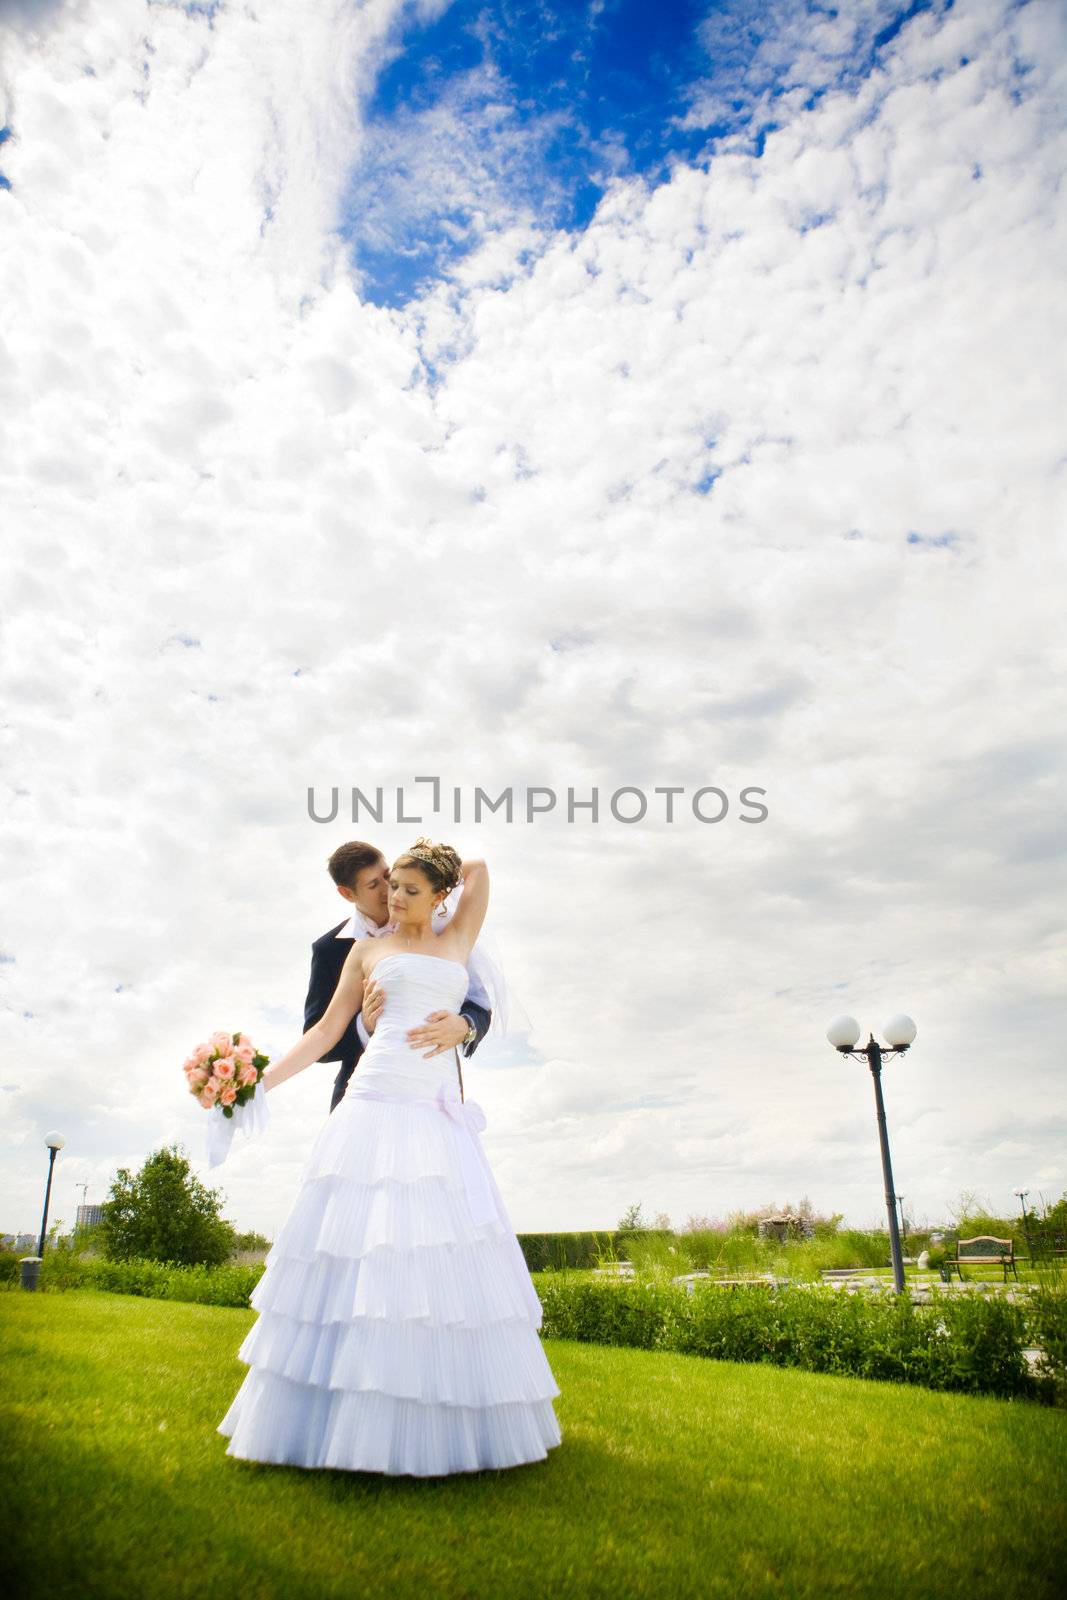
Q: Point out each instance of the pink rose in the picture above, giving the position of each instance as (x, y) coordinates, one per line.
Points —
(243, 1052)
(245, 1042)
(203, 1052)
(207, 1095)
(198, 1078)
(222, 1043)
(228, 1095)
(190, 1063)
(224, 1070)
(248, 1074)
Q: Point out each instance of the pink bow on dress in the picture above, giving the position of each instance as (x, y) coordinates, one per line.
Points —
(469, 1116)
(468, 1111)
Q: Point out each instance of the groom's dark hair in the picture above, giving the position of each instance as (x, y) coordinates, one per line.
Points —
(348, 861)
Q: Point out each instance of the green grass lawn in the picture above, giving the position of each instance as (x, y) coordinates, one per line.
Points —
(676, 1477)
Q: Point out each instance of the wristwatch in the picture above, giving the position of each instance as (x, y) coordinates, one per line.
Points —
(469, 1037)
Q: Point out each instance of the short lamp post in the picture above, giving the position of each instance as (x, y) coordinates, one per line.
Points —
(31, 1265)
(899, 1031)
(1020, 1195)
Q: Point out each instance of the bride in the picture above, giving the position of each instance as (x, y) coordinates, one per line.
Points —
(397, 1326)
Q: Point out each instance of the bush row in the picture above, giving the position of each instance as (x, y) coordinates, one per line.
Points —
(701, 1249)
(541, 1250)
(559, 1250)
(228, 1285)
(962, 1342)
(973, 1343)
(63, 1268)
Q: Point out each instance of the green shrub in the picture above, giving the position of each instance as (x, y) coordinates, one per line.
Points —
(599, 1311)
(739, 1250)
(980, 1349)
(64, 1269)
(138, 1275)
(62, 1266)
(1047, 1328)
(228, 1285)
(557, 1251)
(969, 1343)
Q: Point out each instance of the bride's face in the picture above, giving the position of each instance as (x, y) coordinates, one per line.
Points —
(411, 897)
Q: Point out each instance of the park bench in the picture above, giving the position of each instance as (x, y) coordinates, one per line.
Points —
(982, 1251)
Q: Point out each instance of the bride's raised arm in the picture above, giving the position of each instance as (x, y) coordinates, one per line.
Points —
(469, 915)
(347, 999)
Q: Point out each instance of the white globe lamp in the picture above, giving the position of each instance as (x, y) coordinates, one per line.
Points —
(899, 1031)
(843, 1033)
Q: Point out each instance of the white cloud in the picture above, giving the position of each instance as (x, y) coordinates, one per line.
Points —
(255, 549)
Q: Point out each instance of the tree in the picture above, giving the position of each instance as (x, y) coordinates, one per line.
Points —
(631, 1218)
(165, 1214)
(1046, 1229)
(251, 1241)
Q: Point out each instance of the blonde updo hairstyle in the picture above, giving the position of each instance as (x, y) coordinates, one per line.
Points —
(438, 863)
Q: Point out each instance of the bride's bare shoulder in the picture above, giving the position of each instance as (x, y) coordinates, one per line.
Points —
(355, 961)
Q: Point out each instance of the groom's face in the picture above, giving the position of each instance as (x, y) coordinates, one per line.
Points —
(371, 892)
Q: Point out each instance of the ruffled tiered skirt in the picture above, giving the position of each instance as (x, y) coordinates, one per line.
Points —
(397, 1328)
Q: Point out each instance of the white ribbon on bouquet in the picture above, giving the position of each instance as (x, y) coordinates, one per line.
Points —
(250, 1120)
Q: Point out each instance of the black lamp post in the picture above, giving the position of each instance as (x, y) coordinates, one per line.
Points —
(1020, 1195)
(31, 1265)
(843, 1033)
(55, 1143)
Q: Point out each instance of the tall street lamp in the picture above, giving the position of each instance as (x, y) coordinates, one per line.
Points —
(899, 1031)
(31, 1265)
(55, 1143)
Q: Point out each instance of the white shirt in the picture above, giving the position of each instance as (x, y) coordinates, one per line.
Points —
(360, 927)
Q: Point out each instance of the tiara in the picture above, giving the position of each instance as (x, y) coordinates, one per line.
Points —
(438, 855)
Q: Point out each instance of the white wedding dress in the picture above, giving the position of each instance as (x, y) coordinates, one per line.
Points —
(397, 1326)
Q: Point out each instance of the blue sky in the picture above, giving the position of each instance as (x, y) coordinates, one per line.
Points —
(545, 104)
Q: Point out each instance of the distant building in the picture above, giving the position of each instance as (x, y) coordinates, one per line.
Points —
(20, 1241)
(89, 1217)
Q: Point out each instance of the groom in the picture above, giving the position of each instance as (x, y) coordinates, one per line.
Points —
(362, 878)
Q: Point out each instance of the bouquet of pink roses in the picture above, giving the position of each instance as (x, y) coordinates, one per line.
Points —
(223, 1073)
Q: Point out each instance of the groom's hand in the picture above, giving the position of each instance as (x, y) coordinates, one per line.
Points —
(442, 1030)
(373, 1003)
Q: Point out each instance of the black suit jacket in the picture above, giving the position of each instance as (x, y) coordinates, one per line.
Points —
(328, 956)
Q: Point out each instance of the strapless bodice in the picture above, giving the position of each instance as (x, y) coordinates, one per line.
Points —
(414, 985)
